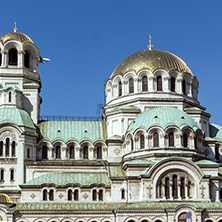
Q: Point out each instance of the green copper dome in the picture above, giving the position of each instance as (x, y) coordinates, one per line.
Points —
(162, 117)
(216, 132)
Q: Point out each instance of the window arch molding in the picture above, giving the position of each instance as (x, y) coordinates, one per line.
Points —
(161, 135)
(126, 78)
(40, 146)
(186, 132)
(186, 82)
(71, 149)
(199, 140)
(129, 140)
(99, 153)
(176, 75)
(73, 189)
(86, 153)
(116, 87)
(164, 77)
(139, 135)
(58, 149)
(171, 140)
(131, 219)
(109, 90)
(12, 173)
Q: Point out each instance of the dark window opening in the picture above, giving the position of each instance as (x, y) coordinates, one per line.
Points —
(0, 59)
(10, 97)
(58, 152)
(175, 186)
(71, 152)
(85, 152)
(131, 85)
(76, 195)
(44, 152)
(132, 144)
(185, 140)
(217, 155)
(12, 175)
(120, 89)
(1, 148)
(182, 187)
(195, 142)
(13, 148)
(171, 139)
(94, 195)
(184, 87)
(220, 194)
(26, 59)
(188, 189)
(167, 187)
(142, 142)
(155, 140)
(13, 57)
(7, 147)
(51, 195)
(44, 195)
(144, 84)
(159, 83)
(123, 194)
(28, 153)
(100, 195)
(99, 152)
(172, 82)
(69, 195)
(2, 174)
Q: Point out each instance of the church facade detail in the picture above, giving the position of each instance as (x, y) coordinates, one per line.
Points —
(154, 156)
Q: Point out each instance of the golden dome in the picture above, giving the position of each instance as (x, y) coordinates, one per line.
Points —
(15, 36)
(151, 59)
(4, 198)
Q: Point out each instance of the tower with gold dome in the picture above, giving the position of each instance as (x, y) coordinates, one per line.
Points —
(154, 156)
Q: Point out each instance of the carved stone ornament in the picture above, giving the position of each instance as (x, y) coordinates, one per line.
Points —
(9, 134)
(117, 151)
(85, 195)
(61, 196)
(32, 195)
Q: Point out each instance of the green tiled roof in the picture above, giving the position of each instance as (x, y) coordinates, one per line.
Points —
(116, 171)
(216, 132)
(206, 162)
(11, 86)
(63, 179)
(162, 117)
(73, 130)
(15, 116)
(220, 171)
(139, 162)
(75, 206)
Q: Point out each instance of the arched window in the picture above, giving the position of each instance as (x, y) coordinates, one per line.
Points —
(142, 142)
(69, 195)
(85, 152)
(195, 142)
(159, 83)
(76, 195)
(51, 195)
(71, 152)
(13, 57)
(132, 144)
(123, 194)
(144, 84)
(182, 217)
(28, 153)
(94, 195)
(13, 148)
(44, 152)
(184, 87)
(44, 195)
(172, 83)
(0, 59)
(131, 85)
(120, 88)
(12, 175)
(9, 97)
(217, 154)
(167, 187)
(1, 148)
(155, 140)
(185, 140)
(182, 187)
(188, 189)
(58, 152)
(220, 194)
(99, 152)
(100, 195)
(26, 59)
(175, 186)
(7, 147)
(171, 139)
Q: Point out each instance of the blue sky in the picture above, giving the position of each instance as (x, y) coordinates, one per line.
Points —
(87, 39)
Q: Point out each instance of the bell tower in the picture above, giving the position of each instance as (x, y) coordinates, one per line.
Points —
(20, 83)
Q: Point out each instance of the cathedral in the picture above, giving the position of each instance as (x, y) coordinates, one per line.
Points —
(153, 157)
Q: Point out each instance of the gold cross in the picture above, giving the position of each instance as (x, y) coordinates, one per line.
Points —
(150, 46)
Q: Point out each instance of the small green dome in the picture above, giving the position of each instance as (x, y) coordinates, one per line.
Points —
(162, 117)
(216, 132)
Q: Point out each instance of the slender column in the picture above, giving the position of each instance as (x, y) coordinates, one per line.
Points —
(115, 93)
(179, 86)
(4, 58)
(63, 153)
(77, 152)
(166, 83)
(190, 93)
(50, 153)
(91, 152)
(191, 141)
(21, 58)
(136, 85)
(161, 140)
(139, 85)
(151, 83)
(124, 87)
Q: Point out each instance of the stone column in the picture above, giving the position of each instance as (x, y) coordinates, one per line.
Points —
(191, 141)
(115, 90)
(124, 87)
(151, 83)
(91, 153)
(63, 153)
(136, 85)
(166, 83)
(21, 58)
(179, 86)
(139, 84)
(50, 153)
(4, 58)
(161, 140)
(78, 153)
(178, 140)
(190, 93)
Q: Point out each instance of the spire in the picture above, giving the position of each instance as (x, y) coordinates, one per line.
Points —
(150, 46)
(15, 29)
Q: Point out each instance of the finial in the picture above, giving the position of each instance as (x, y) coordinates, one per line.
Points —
(150, 46)
(15, 29)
